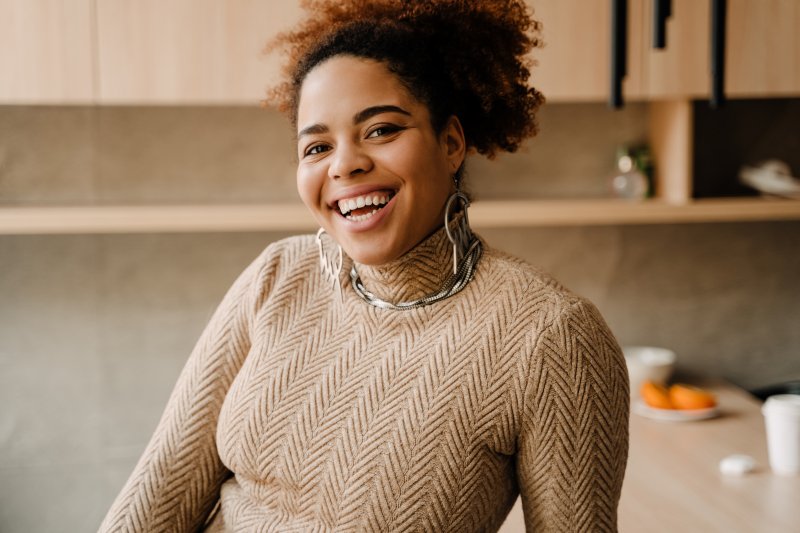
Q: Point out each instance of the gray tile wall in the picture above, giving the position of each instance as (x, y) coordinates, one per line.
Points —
(95, 328)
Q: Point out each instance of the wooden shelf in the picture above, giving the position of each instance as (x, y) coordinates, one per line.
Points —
(614, 212)
(294, 217)
(155, 218)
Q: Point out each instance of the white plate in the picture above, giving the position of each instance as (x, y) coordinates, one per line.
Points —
(673, 415)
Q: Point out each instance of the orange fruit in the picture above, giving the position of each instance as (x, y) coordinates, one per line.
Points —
(684, 396)
(655, 395)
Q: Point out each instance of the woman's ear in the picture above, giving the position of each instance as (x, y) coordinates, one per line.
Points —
(454, 143)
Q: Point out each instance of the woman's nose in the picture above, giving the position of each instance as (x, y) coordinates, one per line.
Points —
(349, 160)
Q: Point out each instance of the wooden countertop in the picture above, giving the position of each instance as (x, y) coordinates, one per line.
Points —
(673, 483)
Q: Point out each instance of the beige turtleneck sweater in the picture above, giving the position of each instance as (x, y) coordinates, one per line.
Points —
(306, 412)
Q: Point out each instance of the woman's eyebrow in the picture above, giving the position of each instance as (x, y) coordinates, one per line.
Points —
(313, 129)
(370, 112)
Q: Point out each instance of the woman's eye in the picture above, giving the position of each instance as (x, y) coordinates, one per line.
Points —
(316, 149)
(381, 131)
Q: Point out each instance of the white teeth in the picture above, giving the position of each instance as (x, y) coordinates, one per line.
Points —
(347, 205)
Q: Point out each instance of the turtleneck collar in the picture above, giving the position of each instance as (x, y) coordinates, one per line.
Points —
(419, 272)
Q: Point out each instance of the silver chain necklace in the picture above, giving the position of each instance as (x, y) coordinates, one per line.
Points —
(453, 284)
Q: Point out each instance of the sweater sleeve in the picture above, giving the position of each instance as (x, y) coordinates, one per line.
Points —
(177, 479)
(573, 441)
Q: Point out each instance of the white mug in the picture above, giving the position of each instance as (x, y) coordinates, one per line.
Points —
(648, 363)
(782, 418)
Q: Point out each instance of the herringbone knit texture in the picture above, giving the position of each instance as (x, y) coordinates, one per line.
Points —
(311, 413)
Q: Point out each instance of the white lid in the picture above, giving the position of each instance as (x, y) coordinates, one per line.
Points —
(784, 404)
(737, 465)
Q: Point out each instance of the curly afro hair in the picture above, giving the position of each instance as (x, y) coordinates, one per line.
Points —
(458, 57)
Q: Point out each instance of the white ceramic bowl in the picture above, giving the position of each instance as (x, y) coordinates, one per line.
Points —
(648, 362)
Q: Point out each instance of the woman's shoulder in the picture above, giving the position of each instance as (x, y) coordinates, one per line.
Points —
(543, 305)
(536, 296)
(533, 282)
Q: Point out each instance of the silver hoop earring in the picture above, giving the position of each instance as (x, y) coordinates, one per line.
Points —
(461, 236)
(330, 269)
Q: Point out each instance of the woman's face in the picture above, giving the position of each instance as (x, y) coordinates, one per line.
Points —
(371, 168)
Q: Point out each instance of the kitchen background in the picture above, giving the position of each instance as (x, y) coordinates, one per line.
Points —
(94, 327)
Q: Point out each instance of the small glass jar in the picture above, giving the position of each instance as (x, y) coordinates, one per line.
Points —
(629, 182)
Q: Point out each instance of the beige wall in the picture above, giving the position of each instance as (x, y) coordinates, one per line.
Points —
(94, 328)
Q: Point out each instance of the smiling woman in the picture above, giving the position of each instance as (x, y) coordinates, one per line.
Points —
(447, 378)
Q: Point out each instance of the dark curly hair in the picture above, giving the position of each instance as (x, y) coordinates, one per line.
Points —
(458, 57)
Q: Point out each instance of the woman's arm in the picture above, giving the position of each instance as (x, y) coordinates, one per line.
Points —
(176, 481)
(573, 443)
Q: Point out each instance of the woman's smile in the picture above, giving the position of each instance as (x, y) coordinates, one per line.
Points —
(367, 217)
(371, 168)
(362, 201)
(364, 206)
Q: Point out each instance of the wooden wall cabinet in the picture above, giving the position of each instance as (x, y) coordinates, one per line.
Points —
(139, 51)
(762, 50)
(574, 63)
(47, 52)
(683, 68)
(209, 51)
(188, 51)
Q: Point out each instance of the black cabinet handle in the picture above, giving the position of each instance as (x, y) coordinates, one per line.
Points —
(719, 11)
(662, 10)
(619, 50)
